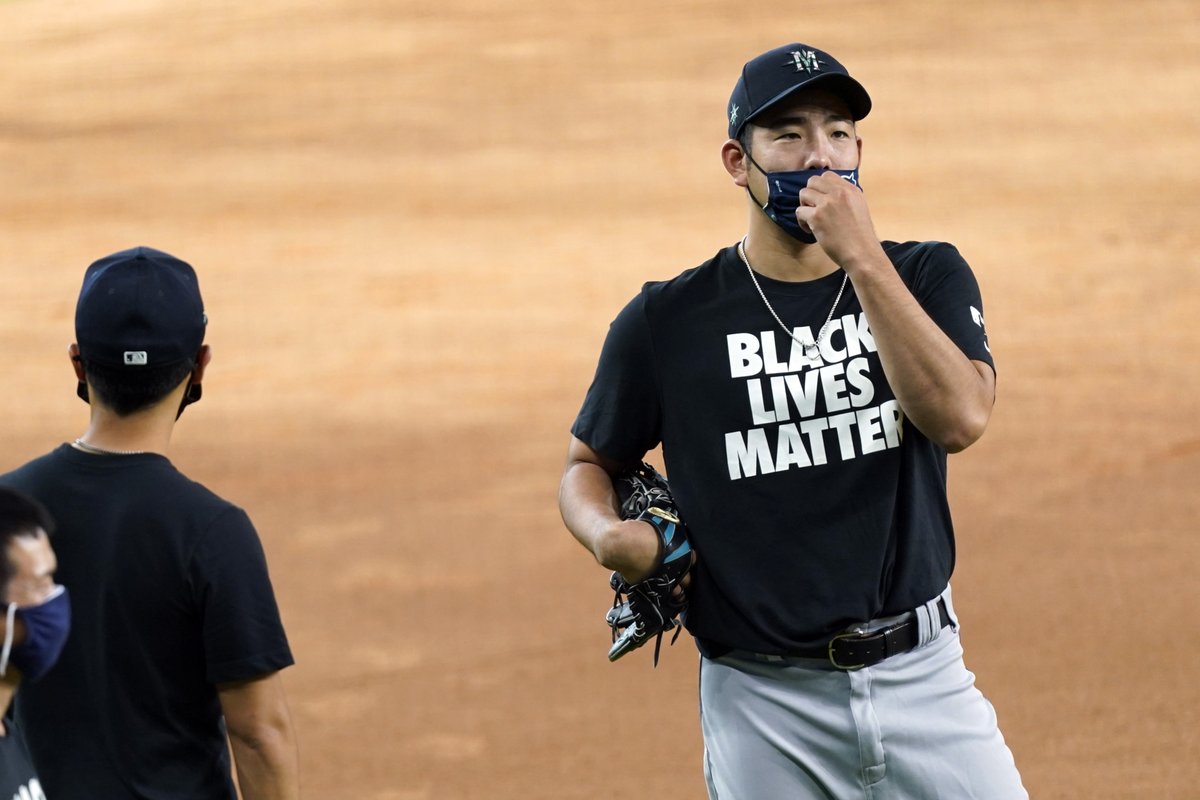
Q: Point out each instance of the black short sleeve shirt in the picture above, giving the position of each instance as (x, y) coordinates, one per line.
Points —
(813, 503)
(17, 776)
(170, 596)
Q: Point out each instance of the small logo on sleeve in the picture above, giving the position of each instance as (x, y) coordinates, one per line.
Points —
(977, 316)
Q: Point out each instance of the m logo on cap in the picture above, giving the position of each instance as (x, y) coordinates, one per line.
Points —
(136, 358)
(805, 61)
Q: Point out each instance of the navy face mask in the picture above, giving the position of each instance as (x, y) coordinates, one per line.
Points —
(784, 197)
(46, 627)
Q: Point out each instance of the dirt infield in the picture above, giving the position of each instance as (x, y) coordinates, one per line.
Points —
(413, 222)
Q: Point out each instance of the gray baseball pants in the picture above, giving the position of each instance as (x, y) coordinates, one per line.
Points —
(912, 727)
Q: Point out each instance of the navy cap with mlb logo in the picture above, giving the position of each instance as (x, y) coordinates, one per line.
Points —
(139, 308)
(777, 74)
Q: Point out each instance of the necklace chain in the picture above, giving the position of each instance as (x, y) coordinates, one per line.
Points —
(80, 444)
(810, 348)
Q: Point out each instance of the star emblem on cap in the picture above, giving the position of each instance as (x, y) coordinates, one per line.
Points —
(733, 112)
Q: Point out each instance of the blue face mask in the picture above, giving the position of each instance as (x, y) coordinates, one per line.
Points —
(46, 627)
(784, 197)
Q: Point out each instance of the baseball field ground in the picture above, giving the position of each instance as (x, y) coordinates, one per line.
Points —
(413, 222)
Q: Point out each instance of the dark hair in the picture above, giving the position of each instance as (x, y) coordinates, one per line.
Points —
(20, 515)
(127, 390)
(745, 135)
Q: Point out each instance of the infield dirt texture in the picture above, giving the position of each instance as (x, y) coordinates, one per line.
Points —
(413, 222)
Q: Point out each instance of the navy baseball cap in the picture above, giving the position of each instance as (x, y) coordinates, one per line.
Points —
(139, 308)
(777, 74)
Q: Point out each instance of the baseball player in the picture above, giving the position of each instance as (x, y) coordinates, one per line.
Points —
(806, 385)
(35, 623)
(177, 638)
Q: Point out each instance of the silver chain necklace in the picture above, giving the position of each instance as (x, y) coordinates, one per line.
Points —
(80, 444)
(811, 349)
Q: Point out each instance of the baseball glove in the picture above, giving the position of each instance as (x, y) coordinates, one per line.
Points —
(651, 607)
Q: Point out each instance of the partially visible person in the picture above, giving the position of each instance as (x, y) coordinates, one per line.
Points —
(177, 639)
(35, 623)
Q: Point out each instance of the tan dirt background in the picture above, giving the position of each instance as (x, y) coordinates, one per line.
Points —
(414, 220)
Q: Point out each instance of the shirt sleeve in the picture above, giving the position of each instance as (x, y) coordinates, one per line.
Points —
(621, 414)
(949, 293)
(242, 630)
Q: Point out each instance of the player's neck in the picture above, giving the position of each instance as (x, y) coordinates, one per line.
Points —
(146, 431)
(777, 255)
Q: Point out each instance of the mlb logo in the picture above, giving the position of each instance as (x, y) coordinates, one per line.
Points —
(136, 358)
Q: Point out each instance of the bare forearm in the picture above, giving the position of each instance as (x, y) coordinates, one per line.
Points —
(939, 389)
(267, 765)
(588, 504)
(262, 738)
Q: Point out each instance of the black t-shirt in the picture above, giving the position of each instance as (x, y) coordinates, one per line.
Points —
(812, 503)
(16, 768)
(170, 596)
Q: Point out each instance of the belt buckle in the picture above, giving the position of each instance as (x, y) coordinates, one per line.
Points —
(856, 633)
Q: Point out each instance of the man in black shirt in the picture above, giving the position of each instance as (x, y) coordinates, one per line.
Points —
(806, 385)
(33, 627)
(177, 640)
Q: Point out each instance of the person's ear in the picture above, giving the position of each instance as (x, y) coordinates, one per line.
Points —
(735, 161)
(76, 362)
(193, 390)
(81, 388)
(203, 356)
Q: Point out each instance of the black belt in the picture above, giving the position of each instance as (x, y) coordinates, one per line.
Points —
(854, 650)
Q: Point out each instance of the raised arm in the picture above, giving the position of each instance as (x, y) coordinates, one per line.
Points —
(946, 395)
